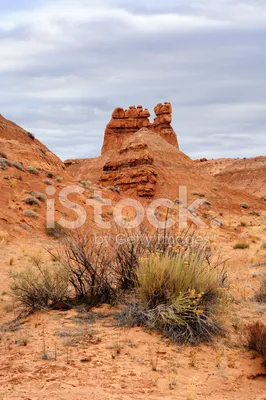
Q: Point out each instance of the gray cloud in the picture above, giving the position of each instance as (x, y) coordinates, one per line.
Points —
(66, 64)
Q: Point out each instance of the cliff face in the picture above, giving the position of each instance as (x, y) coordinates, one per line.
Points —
(124, 123)
(132, 168)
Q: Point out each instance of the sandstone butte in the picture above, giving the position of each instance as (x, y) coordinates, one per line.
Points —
(140, 159)
(126, 122)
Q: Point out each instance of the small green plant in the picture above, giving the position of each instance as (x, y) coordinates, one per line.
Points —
(241, 245)
(50, 175)
(3, 155)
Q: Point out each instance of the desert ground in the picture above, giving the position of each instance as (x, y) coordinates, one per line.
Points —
(89, 356)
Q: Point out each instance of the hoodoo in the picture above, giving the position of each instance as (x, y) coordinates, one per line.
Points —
(124, 123)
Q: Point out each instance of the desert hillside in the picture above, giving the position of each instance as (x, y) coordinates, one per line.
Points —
(28, 171)
(247, 174)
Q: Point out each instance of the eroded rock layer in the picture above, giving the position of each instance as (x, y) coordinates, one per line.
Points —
(132, 168)
(125, 123)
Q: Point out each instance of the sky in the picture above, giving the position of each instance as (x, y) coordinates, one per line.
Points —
(66, 64)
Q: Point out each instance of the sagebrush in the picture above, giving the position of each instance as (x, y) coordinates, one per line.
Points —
(179, 295)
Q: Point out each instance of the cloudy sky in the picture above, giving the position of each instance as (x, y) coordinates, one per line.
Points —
(65, 64)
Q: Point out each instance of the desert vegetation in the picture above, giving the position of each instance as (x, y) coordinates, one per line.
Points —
(241, 245)
(32, 200)
(167, 316)
(30, 213)
(257, 339)
(33, 170)
(177, 290)
(18, 165)
(4, 163)
(40, 287)
(260, 295)
(180, 293)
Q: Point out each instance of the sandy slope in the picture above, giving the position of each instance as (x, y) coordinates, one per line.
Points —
(88, 365)
(246, 174)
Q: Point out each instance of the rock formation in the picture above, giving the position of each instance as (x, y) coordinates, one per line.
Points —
(124, 123)
(132, 168)
(162, 123)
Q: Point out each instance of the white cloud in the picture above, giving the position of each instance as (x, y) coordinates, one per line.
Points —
(66, 64)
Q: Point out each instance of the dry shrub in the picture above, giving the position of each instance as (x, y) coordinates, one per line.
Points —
(57, 231)
(263, 245)
(180, 295)
(4, 237)
(88, 265)
(260, 295)
(30, 213)
(18, 165)
(31, 135)
(257, 339)
(41, 287)
(133, 244)
(31, 200)
(3, 155)
(241, 245)
(126, 256)
(4, 164)
(40, 196)
(33, 170)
